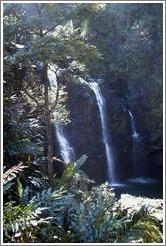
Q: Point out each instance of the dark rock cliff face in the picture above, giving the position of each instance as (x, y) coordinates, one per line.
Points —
(120, 128)
(85, 132)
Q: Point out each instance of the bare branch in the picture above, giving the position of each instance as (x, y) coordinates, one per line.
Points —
(50, 29)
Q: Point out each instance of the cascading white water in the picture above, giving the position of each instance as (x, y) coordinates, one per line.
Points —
(105, 133)
(138, 168)
(133, 128)
(66, 151)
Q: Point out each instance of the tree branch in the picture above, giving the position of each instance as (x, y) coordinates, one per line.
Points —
(50, 29)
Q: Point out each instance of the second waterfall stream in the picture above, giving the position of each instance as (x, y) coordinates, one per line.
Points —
(138, 169)
(105, 131)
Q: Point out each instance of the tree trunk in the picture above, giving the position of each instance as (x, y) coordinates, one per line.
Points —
(45, 82)
(48, 124)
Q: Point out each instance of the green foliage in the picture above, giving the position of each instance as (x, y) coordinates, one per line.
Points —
(67, 174)
(11, 174)
(139, 226)
(98, 218)
(71, 172)
(91, 218)
(30, 129)
(78, 216)
(20, 222)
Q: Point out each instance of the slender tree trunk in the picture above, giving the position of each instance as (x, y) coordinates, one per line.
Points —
(47, 116)
(48, 125)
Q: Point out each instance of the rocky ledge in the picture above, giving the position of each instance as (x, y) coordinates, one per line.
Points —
(132, 203)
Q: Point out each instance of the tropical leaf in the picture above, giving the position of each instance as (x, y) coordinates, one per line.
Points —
(11, 173)
(20, 220)
(80, 162)
(20, 188)
(67, 174)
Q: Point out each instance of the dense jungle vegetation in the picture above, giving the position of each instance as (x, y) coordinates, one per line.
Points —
(121, 41)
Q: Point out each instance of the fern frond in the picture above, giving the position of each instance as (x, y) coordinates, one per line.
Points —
(18, 220)
(11, 173)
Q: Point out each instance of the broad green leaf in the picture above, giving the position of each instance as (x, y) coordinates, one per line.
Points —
(80, 161)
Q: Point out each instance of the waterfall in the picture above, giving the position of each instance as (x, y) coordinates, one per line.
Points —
(66, 151)
(138, 168)
(105, 133)
(133, 128)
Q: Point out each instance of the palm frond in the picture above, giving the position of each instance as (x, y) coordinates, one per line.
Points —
(11, 173)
